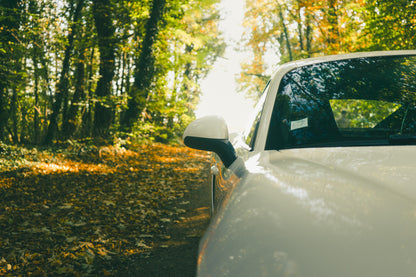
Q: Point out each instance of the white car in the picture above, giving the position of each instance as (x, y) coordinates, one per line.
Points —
(325, 182)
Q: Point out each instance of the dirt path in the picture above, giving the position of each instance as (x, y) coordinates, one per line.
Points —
(102, 212)
(180, 258)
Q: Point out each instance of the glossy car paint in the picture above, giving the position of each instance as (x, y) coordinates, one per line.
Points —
(314, 212)
(318, 212)
(210, 126)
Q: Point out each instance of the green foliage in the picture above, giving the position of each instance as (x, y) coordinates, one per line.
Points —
(16, 157)
(187, 46)
(34, 47)
(299, 29)
(362, 113)
(391, 25)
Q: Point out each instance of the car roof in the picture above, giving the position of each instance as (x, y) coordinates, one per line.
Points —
(295, 64)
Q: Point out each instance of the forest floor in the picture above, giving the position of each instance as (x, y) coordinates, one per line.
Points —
(88, 211)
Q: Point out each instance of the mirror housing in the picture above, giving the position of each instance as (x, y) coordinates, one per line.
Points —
(210, 133)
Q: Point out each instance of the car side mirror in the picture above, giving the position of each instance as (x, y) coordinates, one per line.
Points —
(210, 133)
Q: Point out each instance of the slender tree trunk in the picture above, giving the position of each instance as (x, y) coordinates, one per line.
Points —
(13, 111)
(333, 32)
(3, 112)
(62, 87)
(70, 121)
(86, 113)
(23, 124)
(144, 71)
(36, 56)
(10, 20)
(46, 90)
(300, 29)
(106, 43)
(36, 92)
(191, 95)
(285, 32)
(308, 33)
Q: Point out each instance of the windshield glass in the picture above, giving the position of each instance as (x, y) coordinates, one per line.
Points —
(362, 101)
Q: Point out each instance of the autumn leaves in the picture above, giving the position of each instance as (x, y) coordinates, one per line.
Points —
(80, 214)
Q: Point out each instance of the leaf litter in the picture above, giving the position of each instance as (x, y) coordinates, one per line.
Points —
(90, 213)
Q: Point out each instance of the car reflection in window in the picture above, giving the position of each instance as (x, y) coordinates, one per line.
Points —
(365, 101)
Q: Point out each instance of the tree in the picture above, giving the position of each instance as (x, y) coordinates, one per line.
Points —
(10, 46)
(70, 120)
(296, 29)
(62, 87)
(195, 43)
(73, 69)
(144, 70)
(390, 25)
(106, 42)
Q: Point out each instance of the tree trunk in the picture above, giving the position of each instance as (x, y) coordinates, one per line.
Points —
(70, 121)
(36, 92)
(300, 29)
(62, 87)
(144, 71)
(46, 91)
(13, 112)
(285, 32)
(10, 20)
(86, 114)
(333, 32)
(3, 111)
(106, 43)
(308, 33)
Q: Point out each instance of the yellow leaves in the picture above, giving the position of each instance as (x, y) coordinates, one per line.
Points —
(90, 213)
(109, 203)
(5, 266)
(189, 39)
(65, 206)
(6, 182)
(141, 244)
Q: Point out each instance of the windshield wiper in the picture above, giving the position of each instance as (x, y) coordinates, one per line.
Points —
(402, 139)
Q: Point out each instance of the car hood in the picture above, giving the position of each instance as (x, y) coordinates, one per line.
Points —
(318, 212)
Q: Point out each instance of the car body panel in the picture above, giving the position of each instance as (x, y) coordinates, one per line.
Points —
(317, 212)
(324, 211)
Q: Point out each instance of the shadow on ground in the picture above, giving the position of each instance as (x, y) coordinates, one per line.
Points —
(178, 256)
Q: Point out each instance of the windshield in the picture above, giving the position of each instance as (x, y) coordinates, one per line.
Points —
(362, 101)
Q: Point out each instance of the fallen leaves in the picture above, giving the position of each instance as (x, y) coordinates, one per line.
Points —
(87, 213)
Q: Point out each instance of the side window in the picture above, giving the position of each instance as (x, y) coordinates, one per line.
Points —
(251, 133)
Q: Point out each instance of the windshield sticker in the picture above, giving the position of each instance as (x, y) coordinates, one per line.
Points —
(298, 124)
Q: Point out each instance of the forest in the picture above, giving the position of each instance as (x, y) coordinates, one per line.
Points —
(94, 98)
(103, 69)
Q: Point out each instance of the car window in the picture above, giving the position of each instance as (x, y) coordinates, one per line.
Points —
(251, 133)
(362, 101)
(358, 113)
